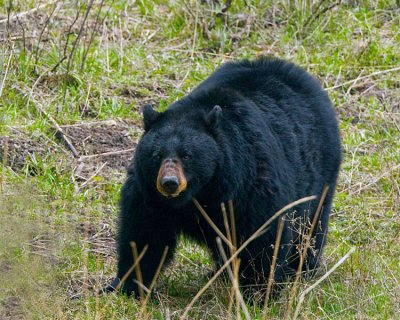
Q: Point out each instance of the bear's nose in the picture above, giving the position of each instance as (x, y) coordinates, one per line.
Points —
(170, 184)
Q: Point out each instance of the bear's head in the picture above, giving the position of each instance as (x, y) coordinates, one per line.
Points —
(178, 155)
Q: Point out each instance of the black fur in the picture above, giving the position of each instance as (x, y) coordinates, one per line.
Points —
(261, 133)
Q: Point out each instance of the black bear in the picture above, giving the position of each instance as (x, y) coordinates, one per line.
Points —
(261, 133)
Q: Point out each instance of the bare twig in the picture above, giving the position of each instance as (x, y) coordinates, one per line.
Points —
(5, 158)
(326, 275)
(273, 264)
(314, 12)
(8, 19)
(15, 38)
(54, 122)
(255, 235)
(91, 178)
(234, 280)
(86, 51)
(303, 253)
(233, 224)
(46, 24)
(138, 271)
(85, 258)
(22, 14)
(130, 270)
(226, 6)
(106, 154)
(89, 124)
(23, 34)
(227, 228)
(195, 30)
(153, 282)
(364, 77)
(75, 44)
(69, 33)
(319, 12)
(58, 128)
(6, 72)
(167, 314)
(202, 53)
(231, 234)
(211, 223)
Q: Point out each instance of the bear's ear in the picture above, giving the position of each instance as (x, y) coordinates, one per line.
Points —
(149, 116)
(213, 117)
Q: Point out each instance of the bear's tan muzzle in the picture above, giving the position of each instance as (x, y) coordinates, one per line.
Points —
(171, 180)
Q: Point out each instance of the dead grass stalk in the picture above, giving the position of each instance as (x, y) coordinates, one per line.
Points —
(326, 275)
(255, 235)
(303, 252)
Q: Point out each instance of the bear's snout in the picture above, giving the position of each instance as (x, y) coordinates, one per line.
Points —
(171, 180)
(170, 184)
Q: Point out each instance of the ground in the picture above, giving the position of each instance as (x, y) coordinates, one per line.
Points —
(88, 70)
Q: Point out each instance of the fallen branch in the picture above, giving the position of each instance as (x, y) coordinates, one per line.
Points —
(59, 130)
(105, 154)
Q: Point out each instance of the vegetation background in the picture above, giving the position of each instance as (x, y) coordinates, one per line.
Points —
(73, 76)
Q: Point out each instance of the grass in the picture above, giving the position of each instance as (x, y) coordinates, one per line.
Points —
(58, 215)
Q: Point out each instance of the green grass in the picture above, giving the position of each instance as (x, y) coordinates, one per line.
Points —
(58, 226)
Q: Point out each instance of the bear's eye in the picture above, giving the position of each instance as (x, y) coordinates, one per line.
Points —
(186, 157)
(157, 155)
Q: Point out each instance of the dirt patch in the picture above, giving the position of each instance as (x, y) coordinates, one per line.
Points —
(101, 137)
(5, 266)
(9, 308)
(105, 148)
(17, 151)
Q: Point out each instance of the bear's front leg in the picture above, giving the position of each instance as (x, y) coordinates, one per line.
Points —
(143, 232)
(142, 225)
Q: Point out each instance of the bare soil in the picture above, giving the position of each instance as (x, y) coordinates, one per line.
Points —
(16, 150)
(108, 145)
(10, 309)
(105, 148)
(108, 141)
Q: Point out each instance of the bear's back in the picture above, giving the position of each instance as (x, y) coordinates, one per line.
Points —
(274, 95)
(249, 76)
